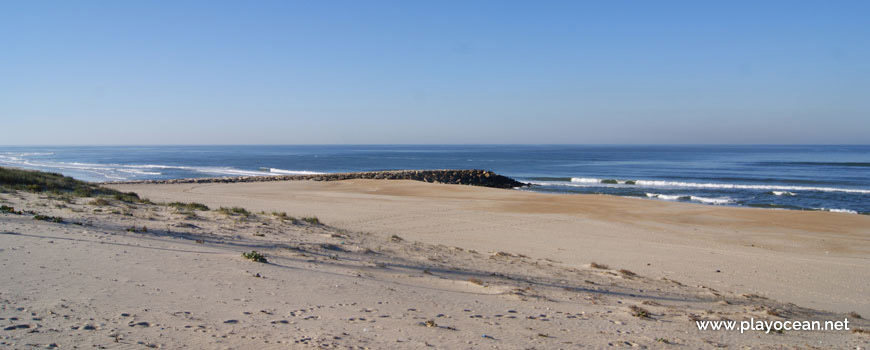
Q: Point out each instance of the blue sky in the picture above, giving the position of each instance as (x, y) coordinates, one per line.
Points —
(212, 72)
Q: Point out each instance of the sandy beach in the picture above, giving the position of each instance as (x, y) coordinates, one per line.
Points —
(814, 259)
(402, 264)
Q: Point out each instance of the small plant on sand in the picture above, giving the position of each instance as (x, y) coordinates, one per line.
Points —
(284, 217)
(476, 281)
(137, 229)
(189, 206)
(255, 257)
(663, 340)
(639, 312)
(9, 210)
(396, 238)
(311, 220)
(128, 197)
(854, 314)
(99, 202)
(596, 265)
(627, 273)
(235, 211)
(48, 218)
(773, 312)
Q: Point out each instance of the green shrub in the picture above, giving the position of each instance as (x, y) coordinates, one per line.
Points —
(137, 229)
(48, 218)
(255, 257)
(639, 312)
(312, 220)
(9, 210)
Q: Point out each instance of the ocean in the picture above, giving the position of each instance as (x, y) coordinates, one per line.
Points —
(832, 178)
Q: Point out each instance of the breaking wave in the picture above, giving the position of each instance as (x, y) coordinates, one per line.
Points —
(705, 200)
(834, 210)
(681, 184)
(783, 193)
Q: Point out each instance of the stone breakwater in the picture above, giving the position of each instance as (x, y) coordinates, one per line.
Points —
(460, 177)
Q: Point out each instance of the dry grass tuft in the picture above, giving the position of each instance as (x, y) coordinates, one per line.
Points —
(476, 281)
(627, 273)
(596, 265)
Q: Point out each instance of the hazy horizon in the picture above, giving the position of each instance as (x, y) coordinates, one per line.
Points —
(400, 73)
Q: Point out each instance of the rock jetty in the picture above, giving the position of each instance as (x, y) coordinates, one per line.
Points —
(471, 177)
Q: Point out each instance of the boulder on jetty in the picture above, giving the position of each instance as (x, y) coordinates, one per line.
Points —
(473, 177)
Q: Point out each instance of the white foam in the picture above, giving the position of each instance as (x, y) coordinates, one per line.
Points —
(585, 180)
(667, 197)
(707, 200)
(293, 172)
(847, 211)
(657, 183)
(777, 189)
(677, 197)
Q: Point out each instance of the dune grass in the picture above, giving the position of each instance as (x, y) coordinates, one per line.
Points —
(235, 211)
(312, 220)
(189, 206)
(12, 179)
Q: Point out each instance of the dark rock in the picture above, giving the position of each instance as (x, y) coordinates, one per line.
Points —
(460, 177)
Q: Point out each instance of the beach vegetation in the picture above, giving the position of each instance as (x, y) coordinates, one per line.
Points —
(56, 219)
(137, 229)
(284, 217)
(312, 220)
(596, 265)
(627, 273)
(396, 238)
(639, 312)
(854, 314)
(100, 202)
(189, 206)
(255, 257)
(9, 210)
(235, 211)
(58, 185)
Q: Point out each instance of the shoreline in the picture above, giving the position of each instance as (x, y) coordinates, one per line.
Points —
(470, 177)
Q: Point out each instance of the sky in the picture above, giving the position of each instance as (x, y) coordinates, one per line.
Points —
(434, 72)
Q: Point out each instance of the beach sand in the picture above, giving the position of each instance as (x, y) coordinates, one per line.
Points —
(814, 259)
(400, 264)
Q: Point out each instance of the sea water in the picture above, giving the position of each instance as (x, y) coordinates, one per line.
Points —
(833, 178)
